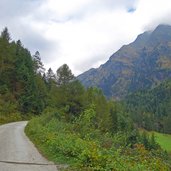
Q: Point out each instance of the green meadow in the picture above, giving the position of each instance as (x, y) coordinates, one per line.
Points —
(164, 141)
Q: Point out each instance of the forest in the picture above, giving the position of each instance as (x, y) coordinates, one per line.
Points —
(78, 126)
(151, 108)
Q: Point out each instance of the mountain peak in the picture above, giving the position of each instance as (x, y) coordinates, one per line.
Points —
(141, 64)
(161, 33)
(163, 27)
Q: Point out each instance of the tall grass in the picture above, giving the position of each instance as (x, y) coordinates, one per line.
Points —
(164, 140)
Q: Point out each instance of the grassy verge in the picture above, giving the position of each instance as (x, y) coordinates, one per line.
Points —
(13, 117)
(10, 118)
(164, 140)
(90, 149)
(45, 139)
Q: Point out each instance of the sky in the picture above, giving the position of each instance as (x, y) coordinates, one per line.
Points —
(80, 33)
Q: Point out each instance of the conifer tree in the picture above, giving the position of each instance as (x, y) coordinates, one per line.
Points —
(64, 75)
(50, 78)
(38, 65)
(5, 34)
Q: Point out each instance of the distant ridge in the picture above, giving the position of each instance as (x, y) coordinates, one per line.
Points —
(142, 64)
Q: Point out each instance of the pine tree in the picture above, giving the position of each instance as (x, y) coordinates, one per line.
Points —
(38, 65)
(6, 58)
(5, 34)
(64, 75)
(50, 78)
(153, 144)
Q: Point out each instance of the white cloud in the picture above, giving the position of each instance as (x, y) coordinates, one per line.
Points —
(150, 13)
(81, 33)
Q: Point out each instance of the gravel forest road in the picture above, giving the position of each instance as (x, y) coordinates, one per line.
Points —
(17, 152)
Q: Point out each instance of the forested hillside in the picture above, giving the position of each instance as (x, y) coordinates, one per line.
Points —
(22, 88)
(71, 124)
(151, 109)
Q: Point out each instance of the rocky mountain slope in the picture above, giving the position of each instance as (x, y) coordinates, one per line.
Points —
(142, 64)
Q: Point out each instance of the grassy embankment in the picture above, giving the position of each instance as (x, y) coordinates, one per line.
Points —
(13, 117)
(10, 118)
(85, 148)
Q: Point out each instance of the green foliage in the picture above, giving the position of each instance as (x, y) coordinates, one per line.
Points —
(151, 109)
(38, 65)
(163, 140)
(64, 75)
(13, 117)
(167, 124)
(78, 125)
(50, 79)
(18, 77)
(69, 97)
(98, 136)
(94, 150)
(5, 35)
(8, 111)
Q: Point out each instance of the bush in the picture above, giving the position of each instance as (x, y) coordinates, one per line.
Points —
(64, 142)
(10, 118)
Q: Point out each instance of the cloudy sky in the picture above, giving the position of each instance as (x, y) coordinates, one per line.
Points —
(81, 33)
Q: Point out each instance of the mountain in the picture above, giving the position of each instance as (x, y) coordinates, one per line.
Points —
(142, 64)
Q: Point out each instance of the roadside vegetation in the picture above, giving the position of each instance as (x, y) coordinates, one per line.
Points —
(164, 140)
(86, 131)
(71, 124)
(10, 118)
(84, 147)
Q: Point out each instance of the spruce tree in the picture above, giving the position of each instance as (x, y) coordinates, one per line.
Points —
(5, 34)
(64, 75)
(38, 65)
